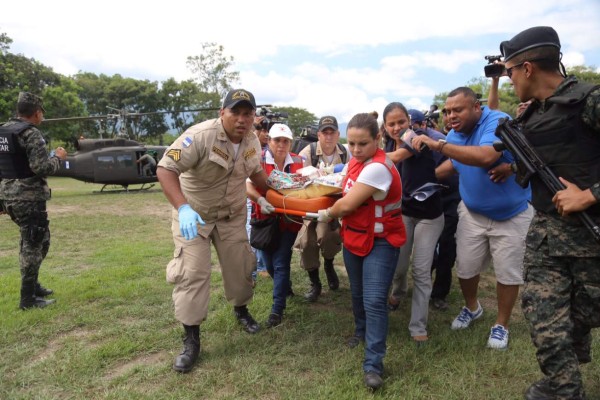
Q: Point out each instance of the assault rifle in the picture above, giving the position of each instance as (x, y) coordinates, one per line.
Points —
(529, 163)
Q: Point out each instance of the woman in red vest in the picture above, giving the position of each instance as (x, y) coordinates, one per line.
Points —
(372, 233)
(277, 156)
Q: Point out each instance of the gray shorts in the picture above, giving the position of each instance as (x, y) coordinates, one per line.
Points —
(480, 240)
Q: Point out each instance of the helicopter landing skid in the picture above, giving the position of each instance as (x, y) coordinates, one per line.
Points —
(125, 188)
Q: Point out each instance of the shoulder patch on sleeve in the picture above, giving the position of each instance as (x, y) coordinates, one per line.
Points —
(174, 154)
(187, 141)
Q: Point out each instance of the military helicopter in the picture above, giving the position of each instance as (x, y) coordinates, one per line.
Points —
(114, 162)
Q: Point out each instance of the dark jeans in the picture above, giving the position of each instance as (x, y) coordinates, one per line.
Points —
(278, 266)
(370, 279)
(445, 256)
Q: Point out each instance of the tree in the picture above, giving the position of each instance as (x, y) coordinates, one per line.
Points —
(186, 95)
(298, 118)
(213, 70)
(62, 101)
(20, 73)
(5, 42)
(588, 74)
(120, 97)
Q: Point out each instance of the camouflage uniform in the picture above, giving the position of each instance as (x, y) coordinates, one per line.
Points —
(25, 201)
(561, 297)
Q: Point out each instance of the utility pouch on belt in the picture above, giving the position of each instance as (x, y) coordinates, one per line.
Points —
(37, 228)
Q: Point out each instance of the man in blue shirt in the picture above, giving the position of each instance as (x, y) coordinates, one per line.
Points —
(494, 213)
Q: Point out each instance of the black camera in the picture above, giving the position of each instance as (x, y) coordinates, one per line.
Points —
(270, 118)
(432, 116)
(493, 69)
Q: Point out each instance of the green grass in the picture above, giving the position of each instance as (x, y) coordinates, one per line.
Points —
(112, 334)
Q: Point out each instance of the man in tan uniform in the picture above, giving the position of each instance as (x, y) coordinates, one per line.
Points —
(203, 175)
(321, 237)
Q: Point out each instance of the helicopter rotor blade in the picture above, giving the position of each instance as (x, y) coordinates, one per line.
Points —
(124, 114)
(88, 118)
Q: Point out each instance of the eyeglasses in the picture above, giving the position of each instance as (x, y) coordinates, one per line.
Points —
(509, 70)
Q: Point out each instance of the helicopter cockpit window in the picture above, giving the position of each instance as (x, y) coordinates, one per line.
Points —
(125, 160)
(106, 162)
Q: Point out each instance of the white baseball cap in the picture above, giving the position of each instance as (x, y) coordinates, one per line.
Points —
(280, 130)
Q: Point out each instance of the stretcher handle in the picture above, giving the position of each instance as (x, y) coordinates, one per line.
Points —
(298, 213)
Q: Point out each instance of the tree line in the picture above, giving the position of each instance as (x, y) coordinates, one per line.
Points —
(114, 97)
(89, 94)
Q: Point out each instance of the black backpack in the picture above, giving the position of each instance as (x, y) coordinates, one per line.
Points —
(313, 153)
(307, 136)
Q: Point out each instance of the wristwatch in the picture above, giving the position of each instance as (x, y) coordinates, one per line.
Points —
(442, 144)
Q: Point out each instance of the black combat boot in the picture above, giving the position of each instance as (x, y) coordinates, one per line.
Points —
(29, 300)
(245, 319)
(315, 286)
(191, 349)
(41, 291)
(332, 278)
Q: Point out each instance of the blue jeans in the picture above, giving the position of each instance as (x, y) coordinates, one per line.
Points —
(278, 266)
(370, 279)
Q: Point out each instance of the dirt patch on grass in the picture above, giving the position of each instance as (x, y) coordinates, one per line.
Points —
(142, 208)
(58, 342)
(145, 360)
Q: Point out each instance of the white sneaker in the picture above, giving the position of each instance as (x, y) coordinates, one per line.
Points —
(466, 316)
(498, 338)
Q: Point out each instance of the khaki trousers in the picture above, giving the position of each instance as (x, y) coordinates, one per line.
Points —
(317, 237)
(190, 268)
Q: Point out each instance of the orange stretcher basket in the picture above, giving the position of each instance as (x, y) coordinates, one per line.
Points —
(299, 204)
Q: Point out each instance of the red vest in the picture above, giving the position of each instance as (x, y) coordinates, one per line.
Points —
(358, 228)
(285, 224)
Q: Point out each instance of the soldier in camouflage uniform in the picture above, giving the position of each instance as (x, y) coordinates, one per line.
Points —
(24, 164)
(561, 297)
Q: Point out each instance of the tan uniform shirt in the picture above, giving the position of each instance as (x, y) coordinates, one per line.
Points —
(211, 174)
(337, 159)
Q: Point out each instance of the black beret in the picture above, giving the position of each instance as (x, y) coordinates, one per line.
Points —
(531, 38)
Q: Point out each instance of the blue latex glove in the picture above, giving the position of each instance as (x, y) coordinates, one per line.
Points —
(338, 167)
(188, 218)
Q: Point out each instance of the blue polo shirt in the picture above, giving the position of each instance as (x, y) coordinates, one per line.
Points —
(497, 201)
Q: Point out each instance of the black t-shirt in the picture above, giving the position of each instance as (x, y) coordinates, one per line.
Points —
(417, 171)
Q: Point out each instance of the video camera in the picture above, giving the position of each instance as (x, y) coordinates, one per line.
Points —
(270, 117)
(432, 117)
(493, 70)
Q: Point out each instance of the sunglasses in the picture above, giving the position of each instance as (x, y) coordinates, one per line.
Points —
(509, 71)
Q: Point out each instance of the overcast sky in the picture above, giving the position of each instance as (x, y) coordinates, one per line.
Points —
(337, 58)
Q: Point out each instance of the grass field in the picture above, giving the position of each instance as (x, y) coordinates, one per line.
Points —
(112, 334)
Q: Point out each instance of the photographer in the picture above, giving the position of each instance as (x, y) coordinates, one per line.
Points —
(261, 130)
(495, 69)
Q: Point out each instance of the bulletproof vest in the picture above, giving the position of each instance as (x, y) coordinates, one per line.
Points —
(568, 146)
(13, 157)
